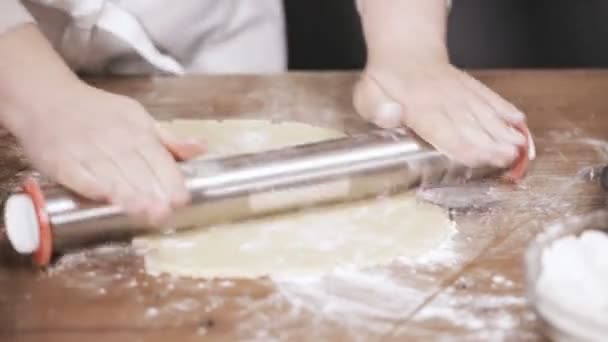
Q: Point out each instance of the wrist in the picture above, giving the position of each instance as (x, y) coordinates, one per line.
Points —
(421, 55)
(32, 76)
(405, 30)
(26, 102)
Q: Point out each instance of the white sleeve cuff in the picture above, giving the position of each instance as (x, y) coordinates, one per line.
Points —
(12, 14)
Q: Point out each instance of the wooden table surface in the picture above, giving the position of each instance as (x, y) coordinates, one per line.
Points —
(470, 289)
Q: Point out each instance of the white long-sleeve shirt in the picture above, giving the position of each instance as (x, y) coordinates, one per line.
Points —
(148, 36)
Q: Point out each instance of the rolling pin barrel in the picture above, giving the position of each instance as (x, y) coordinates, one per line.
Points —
(50, 219)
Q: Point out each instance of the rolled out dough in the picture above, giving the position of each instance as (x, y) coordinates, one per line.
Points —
(304, 243)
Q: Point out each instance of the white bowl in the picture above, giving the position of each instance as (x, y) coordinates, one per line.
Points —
(561, 323)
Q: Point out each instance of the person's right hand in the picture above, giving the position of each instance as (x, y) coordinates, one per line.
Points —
(106, 147)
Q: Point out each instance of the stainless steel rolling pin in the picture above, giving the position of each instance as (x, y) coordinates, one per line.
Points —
(44, 220)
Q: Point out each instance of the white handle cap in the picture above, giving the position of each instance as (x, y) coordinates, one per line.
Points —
(21, 223)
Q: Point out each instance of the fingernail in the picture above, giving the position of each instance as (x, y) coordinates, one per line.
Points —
(194, 141)
(180, 198)
(510, 154)
(137, 210)
(159, 215)
(160, 195)
(516, 116)
(388, 115)
(518, 137)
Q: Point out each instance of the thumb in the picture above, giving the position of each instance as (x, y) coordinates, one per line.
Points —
(181, 149)
(372, 103)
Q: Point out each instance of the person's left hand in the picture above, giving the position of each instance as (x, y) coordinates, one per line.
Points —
(451, 110)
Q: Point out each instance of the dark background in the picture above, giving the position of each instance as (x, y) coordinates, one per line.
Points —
(326, 34)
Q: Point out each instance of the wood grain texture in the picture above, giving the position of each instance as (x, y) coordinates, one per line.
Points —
(477, 294)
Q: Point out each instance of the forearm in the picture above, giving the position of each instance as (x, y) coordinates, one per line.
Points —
(29, 69)
(395, 29)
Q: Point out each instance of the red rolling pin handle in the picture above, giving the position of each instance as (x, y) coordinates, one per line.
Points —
(526, 153)
(43, 254)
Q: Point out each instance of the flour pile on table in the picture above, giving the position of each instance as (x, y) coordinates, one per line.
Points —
(574, 278)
